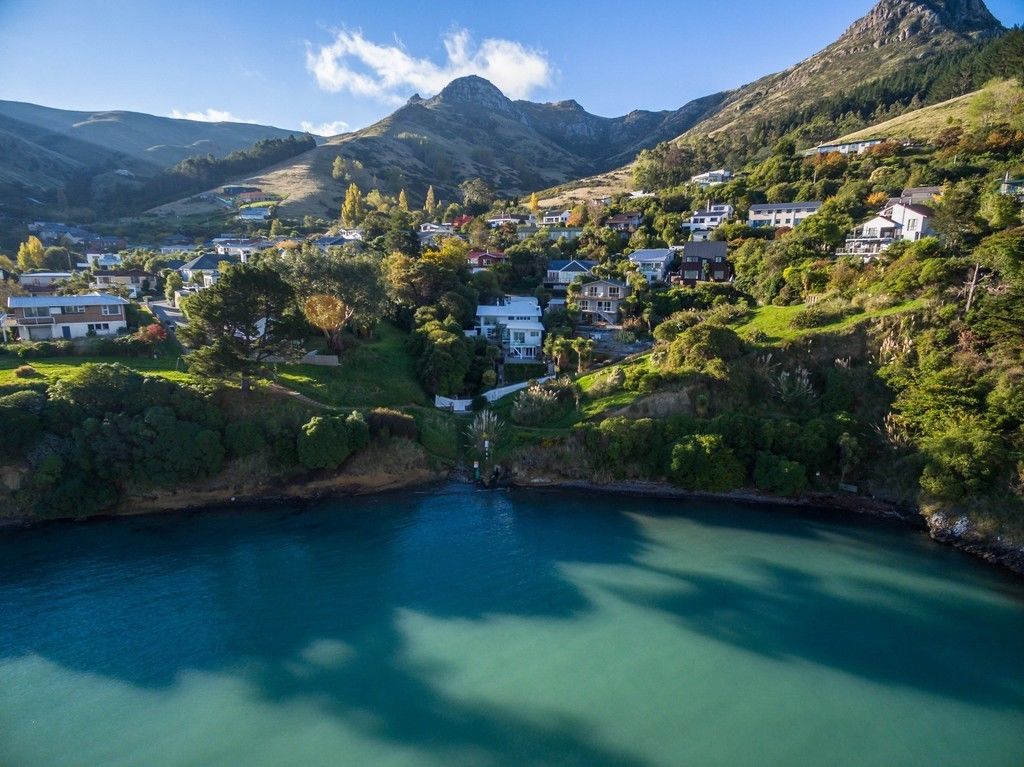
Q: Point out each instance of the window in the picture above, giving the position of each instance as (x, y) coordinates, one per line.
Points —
(37, 311)
(98, 327)
(72, 310)
(911, 224)
(111, 311)
(613, 292)
(604, 306)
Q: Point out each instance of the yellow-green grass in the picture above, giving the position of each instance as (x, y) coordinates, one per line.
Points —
(775, 321)
(996, 102)
(377, 372)
(51, 369)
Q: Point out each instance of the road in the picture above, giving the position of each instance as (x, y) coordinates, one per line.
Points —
(169, 316)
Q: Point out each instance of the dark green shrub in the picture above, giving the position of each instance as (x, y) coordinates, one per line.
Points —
(703, 462)
(323, 443)
(384, 422)
(244, 438)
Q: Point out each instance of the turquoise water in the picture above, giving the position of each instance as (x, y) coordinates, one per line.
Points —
(470, 628)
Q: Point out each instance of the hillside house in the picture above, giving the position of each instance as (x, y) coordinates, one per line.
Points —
(518, 318)
(246, 198)
(234, 191)
(703, 222)
(916, 195)
(711, 178)
(556, 217)
(508, 218)
(135, 280)
(893, 223)
(39, 318)
(255, 214)
(206, 266)
(479, 260)
(846, 147)
(432, 228)
(653, 263)
(779, 214)
(101, 261)
(562, 272)
(1014, 187)
(600, 301)
(556, 233)
(624, 222)
(42, 283)
(705, 261)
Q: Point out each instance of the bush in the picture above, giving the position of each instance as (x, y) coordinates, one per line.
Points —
(244, 438)
(43, 349)
(25, 371)
(703, 462)
(479, 402)
(384, 422)
(534, 406)
(823, 314)
(323, 443)
(778, 475)
(358, 431)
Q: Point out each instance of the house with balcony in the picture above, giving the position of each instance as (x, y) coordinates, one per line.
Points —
(703, 222)
(42, 318)
(845, 147)
(135, 280)
(895, 222)
(556, 218)
(653, 263)
(514, 322)
(561, 273)
(600, 301)
(781, 214)
(914, 220)
(711, 178)
(624, 222)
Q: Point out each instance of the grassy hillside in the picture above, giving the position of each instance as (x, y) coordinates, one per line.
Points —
(1000, 101)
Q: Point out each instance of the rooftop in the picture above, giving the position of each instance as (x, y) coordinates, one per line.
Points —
(94, 299)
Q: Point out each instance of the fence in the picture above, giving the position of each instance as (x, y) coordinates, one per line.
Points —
(465, 405)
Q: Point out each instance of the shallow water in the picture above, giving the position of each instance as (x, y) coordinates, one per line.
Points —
(471, 628)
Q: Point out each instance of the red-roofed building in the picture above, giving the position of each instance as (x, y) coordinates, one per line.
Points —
(482, 259)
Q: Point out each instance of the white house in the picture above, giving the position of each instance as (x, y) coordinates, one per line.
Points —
(429, 227)
(914, 220)
(703, 222)
(519, 320)
(102, 260)
(556, 217)
(39, 318)
(599, 301)
(711, 178)
(653, 263)
(847, 147)
(779, 214)
(508, 218)
(255, 214)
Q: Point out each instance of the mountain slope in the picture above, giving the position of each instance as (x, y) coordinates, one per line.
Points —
(470, 129)
(42, 148)
(893, 34)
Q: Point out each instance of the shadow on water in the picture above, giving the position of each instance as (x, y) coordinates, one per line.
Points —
(142, 600)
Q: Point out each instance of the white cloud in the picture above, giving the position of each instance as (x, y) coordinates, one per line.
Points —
(325, 129)
(387, 73)
(209, 116)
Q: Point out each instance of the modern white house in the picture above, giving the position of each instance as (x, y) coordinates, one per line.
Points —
(653, 263)
(846, 147)
(508, 218)
(703, 222)
(895, 222)
(432, 228)
(711, 178)
(518, 319)
(40, 318)
(779, 214)
(556, 217)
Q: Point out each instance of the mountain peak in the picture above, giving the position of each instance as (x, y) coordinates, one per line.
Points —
(892, 21)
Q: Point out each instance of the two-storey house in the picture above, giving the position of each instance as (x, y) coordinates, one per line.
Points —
(517, 319)
(600, 301)
(562, 272)
(653, 263)
(705, 261)
(39, 318)
(703, 222)
(780, 214)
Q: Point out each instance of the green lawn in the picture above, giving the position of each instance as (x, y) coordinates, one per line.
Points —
(54, 368)
(774, 321)
(379, 372)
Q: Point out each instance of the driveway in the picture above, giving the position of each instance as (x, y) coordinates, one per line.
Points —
(169, 316)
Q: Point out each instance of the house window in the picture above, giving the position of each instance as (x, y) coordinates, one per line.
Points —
(604, 306)
(110, 311)
(72, 310)
(592, 292)
(99, 327)
(37, 311)
(911, 224)
(613, 292)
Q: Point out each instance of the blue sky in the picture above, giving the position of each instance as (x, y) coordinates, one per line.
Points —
(331, 65)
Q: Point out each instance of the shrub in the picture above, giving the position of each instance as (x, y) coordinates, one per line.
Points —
(479, 402)
(42, 349)
(25, 371)
(384, 422)
(358, 431)
(244, 438)
(323, 443)
(608, 383)
(823, 314)
(778, 475)
(703, 462)
(535, 405)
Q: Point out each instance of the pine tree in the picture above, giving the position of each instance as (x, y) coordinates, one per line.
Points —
(403, 201)
(430, 203)
(352, 208)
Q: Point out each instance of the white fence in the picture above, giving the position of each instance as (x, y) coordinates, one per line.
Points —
(465, 405)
